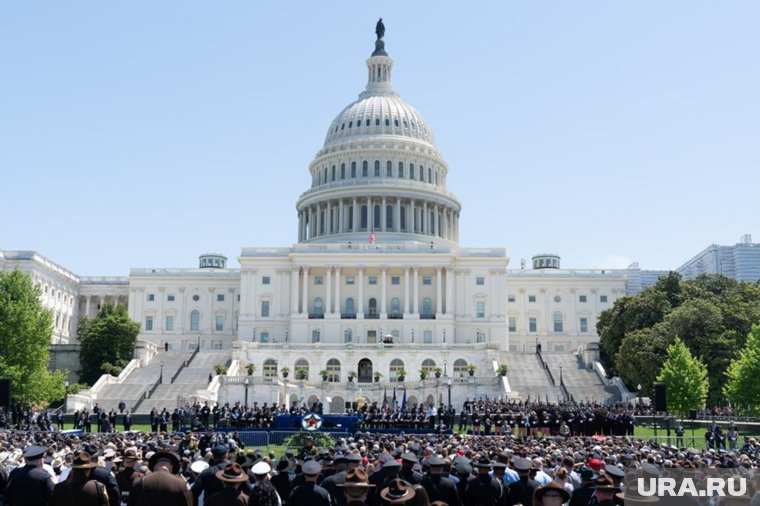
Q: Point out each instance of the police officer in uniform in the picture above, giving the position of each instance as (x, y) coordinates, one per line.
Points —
(310, 494)
(437, 486)
(483, 489)
(207, 482)
(29, 485)
(408, 474)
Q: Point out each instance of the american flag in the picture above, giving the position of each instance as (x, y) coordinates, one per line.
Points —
(371, 237)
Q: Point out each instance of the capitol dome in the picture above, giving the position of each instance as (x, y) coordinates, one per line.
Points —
(378, 173)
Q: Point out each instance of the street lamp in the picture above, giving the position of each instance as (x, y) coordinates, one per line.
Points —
(199, 343)
(444, 335)
(560, 373)
(448, 384)
(477, 335)
(445, 362)
(638, 391)
(246, 382)
(412, 335)
(253, 340)
(286, 336)
(66, 397)
(161, 376)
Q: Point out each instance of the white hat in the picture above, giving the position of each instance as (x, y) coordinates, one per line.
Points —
(261, 468)
(199, 466)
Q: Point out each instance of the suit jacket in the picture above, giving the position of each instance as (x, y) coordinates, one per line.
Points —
(160, 489)
(28, 486)
(440, 488)
(78, 493)
(228, 497)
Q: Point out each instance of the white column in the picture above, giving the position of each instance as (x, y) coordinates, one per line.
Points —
(370, 214)
(397, 216)
(294, 290)
(361, 292)
(183, 317)
(425, 218)
(87, 306)
(413, 216)
(416, 309)
(337, 291)
(449, 290)
(319, 220)
(341, 217)
(300, 226)
(328, 289)
(355, 224)
(406, 290)
(305, 293)
(383, 292)
(383, 216)
(445, 223)
(438, 299)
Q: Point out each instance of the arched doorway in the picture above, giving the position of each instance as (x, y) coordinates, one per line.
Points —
(365, 370)
(337, 405)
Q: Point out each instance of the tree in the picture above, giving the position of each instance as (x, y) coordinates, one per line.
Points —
(640, 357)
(25, 331)
(107, 338)
(743, 387)
(685, 378)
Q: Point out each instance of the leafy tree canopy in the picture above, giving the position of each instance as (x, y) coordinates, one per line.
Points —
(743, 387)
(107, 338)
(685, 378)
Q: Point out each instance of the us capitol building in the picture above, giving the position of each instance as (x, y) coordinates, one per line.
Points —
(377, 283)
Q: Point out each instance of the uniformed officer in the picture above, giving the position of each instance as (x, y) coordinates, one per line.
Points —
(408, 474)
(437, 486)
(310, 494)
(232, 476)
(356, 487)
(483, 489)
(331, 483)
(207, 482)
(29, 485)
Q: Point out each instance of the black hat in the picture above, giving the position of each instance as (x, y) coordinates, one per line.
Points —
(435, 461)
(164, 454)
(498, 465)
(522, 464)
(587, 474)
(462, 466)
(397, 492)
(391, 463)
(354, 457)
(615, 472)
(34, 452)
(552, 486)
(340, 459)
(410, 458)
(282, 464)
(483, 462)
(220, 449)
(311, 468)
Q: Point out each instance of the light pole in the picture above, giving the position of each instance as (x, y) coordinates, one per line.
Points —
(448, 384)
(161, 376)
(286, 336)
(318, 334)
(412, 335)
(638, 392)
(199, 343)
(66, 397)
(246, 383)
(253, 340)
(477, 335)
(444, 335)
(445, 371)
(560, 373)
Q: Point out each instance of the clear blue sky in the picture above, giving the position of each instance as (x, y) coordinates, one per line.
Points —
(141, 134)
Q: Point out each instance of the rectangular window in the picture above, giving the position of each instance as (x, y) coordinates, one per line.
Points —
(170, 298)
(512, 324)
(169, 323)
(395, 280)
(349, 280)
(220, 297)
(602, 298)
(427, 280)
(264, 308)
(531, 298)
(480, 280)
(584, 324)
(480, 310)
(510, 298)
(265, 337)
(238, 297)
(148, 323)
(265, 280)
(427, 337)
(317, 280)
(532, 325)
(373, 280)
(219, 323)
(151, 297)
(582, 298)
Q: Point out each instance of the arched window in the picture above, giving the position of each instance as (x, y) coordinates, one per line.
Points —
(195, 320)
(363, 222)
(430, 175)
(343, 171)
(367, 123)
(353, 169)
(411, 171)
(333, 370)
(377, 168)
(403, 217)
(400, 169)
(427, 306)
(397, 365)
(422, 173)
(301, 369)
(395, 305)
(270, 368)
(364, 169)
(376, 216)
(389, 217)
(318, 306)
(557, 321)
(377, 121)
(395, 121)
(428, 365)
(373, 306)
(460, 367)
(350, 306)
(316, 336)
(389, 169)
(387, 122)
(333, 172)
(348, 336)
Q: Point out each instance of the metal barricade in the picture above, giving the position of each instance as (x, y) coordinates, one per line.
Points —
(256, 439)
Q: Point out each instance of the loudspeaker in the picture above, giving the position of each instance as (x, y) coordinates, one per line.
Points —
(348, 404)
(5, 393)
(660, 397)
(692, 414)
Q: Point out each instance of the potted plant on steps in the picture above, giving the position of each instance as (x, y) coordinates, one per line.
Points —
(300, 374)
(351, 376)
(438, 371)
(250, 368)
(471, 369)
(401, 375)
(323, 373)
(285, 371)
(503, 368)
(220, 369)
(423, 374)
(377, 376)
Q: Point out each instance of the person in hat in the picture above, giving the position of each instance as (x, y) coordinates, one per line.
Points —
(483, 488)
(310, 494)
(344, 464)
(407, 473)
(162, 486)
(263, 492)
(104, 476)
(604, 490)
(29, 485)
(398, 491)
(552, 494)
(437, 486)
(207, 482)
(79, 489)
(356, 487)
(231, 495)
(283, 479)
(521, 491)
(583, 494)
(126, 477)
